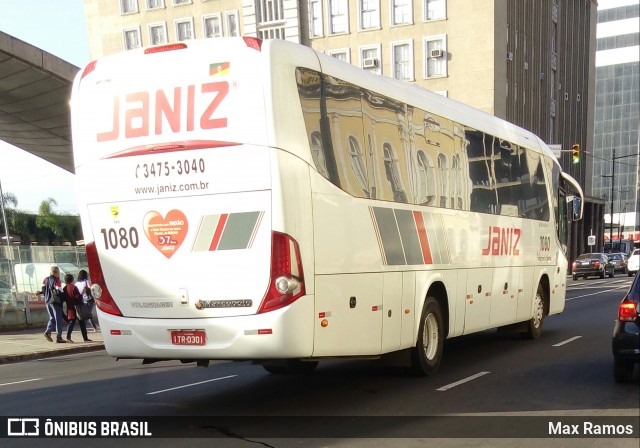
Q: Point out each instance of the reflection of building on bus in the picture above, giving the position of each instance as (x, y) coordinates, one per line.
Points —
(383, 149)
(348, 214)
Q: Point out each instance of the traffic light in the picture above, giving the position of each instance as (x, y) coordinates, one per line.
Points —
(575, 153)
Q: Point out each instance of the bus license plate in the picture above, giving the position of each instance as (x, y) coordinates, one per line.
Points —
(196, 337)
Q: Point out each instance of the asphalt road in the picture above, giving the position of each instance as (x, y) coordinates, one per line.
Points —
(568, 371)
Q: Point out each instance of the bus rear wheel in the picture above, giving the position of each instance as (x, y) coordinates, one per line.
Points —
(534, 326)
(427, 354)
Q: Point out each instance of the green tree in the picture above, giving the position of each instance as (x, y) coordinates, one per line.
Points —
(47, 219)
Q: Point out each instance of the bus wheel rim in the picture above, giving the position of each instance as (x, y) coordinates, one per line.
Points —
(430, 338)
(538, 312)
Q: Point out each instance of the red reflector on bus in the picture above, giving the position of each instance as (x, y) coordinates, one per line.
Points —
(163, 48)
(91, 66)
(253, 42)
(116, 332)
(265, 331)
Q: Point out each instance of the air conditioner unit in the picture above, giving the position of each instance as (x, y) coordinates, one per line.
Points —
(370, 63)
(436, 53)
(509, 56)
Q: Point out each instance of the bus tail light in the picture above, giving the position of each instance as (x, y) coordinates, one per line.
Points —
(253, 42)
(627, 312)
(91, 66)
(103, 299)
(286, 284)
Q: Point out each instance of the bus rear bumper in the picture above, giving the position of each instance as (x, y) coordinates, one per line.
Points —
(279, 334)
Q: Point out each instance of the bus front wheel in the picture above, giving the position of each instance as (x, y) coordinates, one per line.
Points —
(426, 355)
(534, 326)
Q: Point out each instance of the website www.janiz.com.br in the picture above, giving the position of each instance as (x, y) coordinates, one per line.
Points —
(172, 188)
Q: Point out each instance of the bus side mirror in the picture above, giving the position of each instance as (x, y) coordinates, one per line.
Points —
(576, 208)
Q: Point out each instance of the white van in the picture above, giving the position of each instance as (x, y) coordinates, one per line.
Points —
(29, 276)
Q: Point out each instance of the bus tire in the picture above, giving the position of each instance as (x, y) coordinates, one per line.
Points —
(534, 326)
(427, 354)
(292, 366)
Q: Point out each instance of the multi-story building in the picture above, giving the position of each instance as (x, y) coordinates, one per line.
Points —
(529, 62)
(617, 115)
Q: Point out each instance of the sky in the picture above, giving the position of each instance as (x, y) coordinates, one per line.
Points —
(58, 27)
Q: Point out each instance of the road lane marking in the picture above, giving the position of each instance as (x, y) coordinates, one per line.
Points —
(465, 380)
(19, 382)
(599, 292)
(192, 384)
(567, 341)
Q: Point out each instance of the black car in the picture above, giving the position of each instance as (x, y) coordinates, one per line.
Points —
(626, 334)
(619, 261)
(593, 264)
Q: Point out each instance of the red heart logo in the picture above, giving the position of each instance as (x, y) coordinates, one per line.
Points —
(166, 234)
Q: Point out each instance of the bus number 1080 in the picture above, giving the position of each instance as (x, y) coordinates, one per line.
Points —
(120, 238)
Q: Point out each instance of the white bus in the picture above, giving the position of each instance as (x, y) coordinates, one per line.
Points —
(248, 200)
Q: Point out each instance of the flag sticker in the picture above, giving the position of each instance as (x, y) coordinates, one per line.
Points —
(219, 68)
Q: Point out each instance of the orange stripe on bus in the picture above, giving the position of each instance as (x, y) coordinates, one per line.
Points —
(218, 234)
(422, 236)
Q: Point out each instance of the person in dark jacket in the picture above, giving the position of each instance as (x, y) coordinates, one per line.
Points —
(54, 309)
(74, 302)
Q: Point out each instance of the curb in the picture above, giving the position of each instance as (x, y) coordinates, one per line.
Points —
(50, 353)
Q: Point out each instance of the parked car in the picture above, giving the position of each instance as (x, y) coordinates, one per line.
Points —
(626, 334)
(633, 263)
(593, 264)
(619, 261)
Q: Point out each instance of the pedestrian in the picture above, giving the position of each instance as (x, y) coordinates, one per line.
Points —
(52, 290)
(84, 286)
(74, 303)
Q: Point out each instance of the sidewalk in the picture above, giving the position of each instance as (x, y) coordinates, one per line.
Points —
(22, 345)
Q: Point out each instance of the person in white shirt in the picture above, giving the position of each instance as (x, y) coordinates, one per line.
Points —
(84, 286)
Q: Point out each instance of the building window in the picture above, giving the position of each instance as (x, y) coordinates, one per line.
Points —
(233, 27)
(369, 14)
(182, 2)
(184, 29)
(342, 54)
(392, 174)
(435, 56)
(317, 153)
(435, 9)
(338, 16)
(315, 18)
(157, 33)
(370, 59)
(155, 4)
(128, 6)
(443, 174)
(270, 19)
(357, 164)
(401, 12)
(426, 180)
(212, 25)
(132, 38)
(402, 60)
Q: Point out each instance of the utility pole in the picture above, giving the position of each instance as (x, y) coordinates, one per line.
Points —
(4, 216)
(613, 176)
